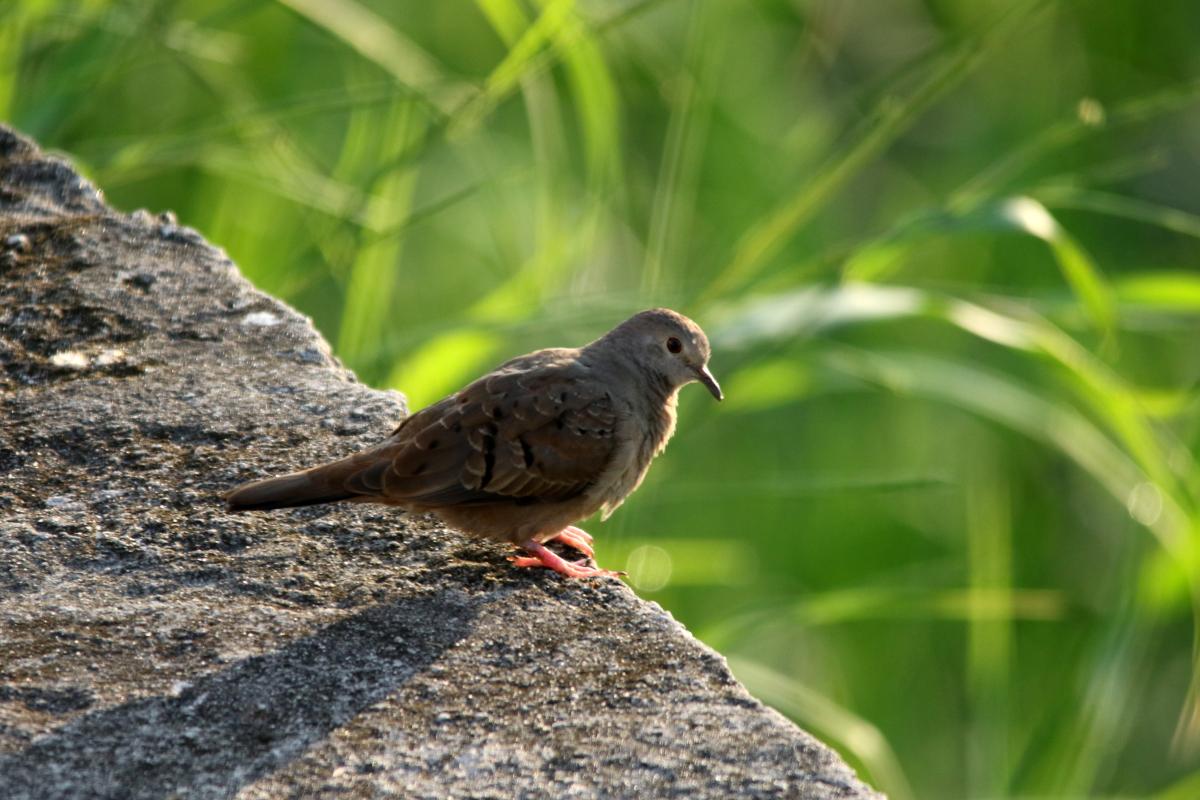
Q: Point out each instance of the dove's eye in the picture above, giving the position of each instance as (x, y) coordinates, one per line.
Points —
(674, 345)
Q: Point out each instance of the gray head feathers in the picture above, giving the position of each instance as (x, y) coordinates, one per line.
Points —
(670, 349)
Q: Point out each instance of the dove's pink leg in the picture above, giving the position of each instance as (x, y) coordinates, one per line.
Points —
(576, 538)
(543, 557)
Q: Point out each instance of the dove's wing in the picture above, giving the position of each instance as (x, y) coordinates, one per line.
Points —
(539, 428)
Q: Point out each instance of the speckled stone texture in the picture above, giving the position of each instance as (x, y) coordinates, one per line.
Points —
(152, 645)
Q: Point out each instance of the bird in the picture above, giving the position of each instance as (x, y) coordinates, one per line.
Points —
(524, 452)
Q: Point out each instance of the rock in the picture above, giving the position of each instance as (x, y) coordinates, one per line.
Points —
(154, 645)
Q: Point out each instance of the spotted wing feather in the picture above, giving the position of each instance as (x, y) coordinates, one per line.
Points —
(537, 429)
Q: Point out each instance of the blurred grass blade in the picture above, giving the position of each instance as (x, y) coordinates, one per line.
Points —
(1185, 788)
(505, 76)
(561, 232)
(878, 258)
(995, 178)
(507, 17)
(594, 98)
(888, 121)
(1001, 399)
(1081, 751)
(375, 271)
(261, 120)
(546, 128)
(862, 740)
(976, 605)
(444, 364)
(372, 37)
(279, 169)
(14, 24)
(990, 640)
(781, 485)
(1115, 205)
(596, 103)
(1077, 266)
(767, 383)
(681, 164)
(806, 313)
(531, 54)
(677, 561)
(868, 603)
(522, 56)
(1172, 291)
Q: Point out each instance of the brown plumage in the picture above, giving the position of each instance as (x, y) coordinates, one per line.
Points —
(542, 441)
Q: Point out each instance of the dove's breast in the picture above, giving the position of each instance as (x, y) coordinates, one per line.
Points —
(642, 436)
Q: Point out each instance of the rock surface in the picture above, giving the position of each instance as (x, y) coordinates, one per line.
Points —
(152, 645)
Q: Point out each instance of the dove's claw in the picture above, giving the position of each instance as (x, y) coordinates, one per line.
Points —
(575, 538)
(525, 561)
(543, 557)
(579, 532)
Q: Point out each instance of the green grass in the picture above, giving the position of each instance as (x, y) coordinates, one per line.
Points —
(948, 253)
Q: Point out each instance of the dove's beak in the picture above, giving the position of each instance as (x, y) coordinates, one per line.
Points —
(709, 382)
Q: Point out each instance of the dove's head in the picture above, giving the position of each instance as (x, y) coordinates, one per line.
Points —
(667, 345)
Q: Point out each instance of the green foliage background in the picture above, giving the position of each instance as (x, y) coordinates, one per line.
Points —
(947, 251)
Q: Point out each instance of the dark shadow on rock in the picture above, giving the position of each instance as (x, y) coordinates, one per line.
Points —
(231, 727)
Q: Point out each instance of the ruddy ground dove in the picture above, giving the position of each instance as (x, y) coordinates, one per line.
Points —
(519, 455)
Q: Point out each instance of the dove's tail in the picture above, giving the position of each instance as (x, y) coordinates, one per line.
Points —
(286, 491)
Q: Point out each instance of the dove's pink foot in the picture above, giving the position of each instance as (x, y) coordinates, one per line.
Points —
(543, 557)
(580, 532)
(576, 538)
